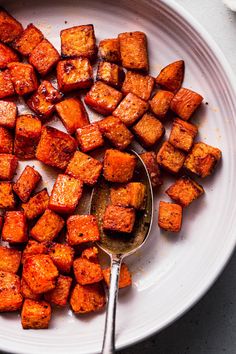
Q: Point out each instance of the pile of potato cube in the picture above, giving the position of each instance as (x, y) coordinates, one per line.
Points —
(49, 257)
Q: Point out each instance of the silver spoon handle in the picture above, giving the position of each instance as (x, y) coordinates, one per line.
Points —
(108, 346)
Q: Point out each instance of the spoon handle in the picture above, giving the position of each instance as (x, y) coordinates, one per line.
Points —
(109, 333)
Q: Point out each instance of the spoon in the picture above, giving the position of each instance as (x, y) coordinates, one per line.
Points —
(120, 246)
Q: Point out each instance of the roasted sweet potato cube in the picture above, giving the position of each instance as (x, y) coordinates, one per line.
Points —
(84, 167)
(35, 314)
(55, 147)
(87, 298)
(7, 200)
(9, 259)
(170, 158)
(119, 196)
(8, 165)
(149, 130)
(82, 229)
(42, 102)
(118, 166)
(26, 183)
(72, 114)
(10, 28)
(109, 50)
(6, 85)
(40, 273)
(32, 248)
(184, 191)
(6, 141)
(87, 271)
(116, 132)
(15, 227)
(138, 84)
(133, 50)
(171, 76)
(60, 294)
(125, 278)
(62, 256)
(150, 161)
(44, 57)
(7, 55)
(119, 219)
(110, 73)
(183, 134)
(36, 204)
(8, 112)
(90, 253)
(27, 293)
(10, 296)
(23, 77)
(28, 40)
(160, 103)
(170, 216)
(74, 74)
(129, 195)
(202, 159)
(65, 194)
(89, 137)
(103, 98)
(79, 41)
(185, 103)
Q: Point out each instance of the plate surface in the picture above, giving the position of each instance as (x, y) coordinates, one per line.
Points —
(172, 271)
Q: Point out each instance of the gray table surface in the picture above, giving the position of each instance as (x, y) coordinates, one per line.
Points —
(210, 327)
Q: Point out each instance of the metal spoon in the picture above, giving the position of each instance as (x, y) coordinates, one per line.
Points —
(119, 247)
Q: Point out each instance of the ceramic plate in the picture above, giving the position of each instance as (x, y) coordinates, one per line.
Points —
(171, 272)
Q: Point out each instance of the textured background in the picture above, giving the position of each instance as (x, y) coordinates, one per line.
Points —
(210, 327)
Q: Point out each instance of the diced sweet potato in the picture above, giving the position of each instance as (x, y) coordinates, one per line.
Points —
(27, 293)
(40, 273)
(109, 50)
(23, 77)
(118, 219)
(133, 50)
(138, 84)
(10, 296)
(183, 134)
(110, 73)
(87, 298)
(74, 74)
(150, 161)
(82, 229)
(84, 167)
(26, 183)
(15, 227)
(125, 278)
(10, 28)
(170, 216)
(129, 195)
(62, 256)
(90, 253)
(171, 76)
(149, 130)
(170, 158)
(87, 271)
(7, 55)
(116, 132)
(27, 135)
(72, 114)
(8, 165)
(118, 166)
(60, 294)
(202, 159)
(8, 112)
(7, 200)
(103, 98)
(6, 84)
(89, 137)
(36, 204)
(32, 248)
(65, 194)
(42, 102)
(44, 57)
(6, 141)
(55, 147)
(184, 191)
(79, 41)
(28, 40)
(9, 259)
(160, 103)
(47, 227)
(35, 314)
(185, 103)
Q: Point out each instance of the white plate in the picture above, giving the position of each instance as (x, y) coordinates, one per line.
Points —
(172, 272)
